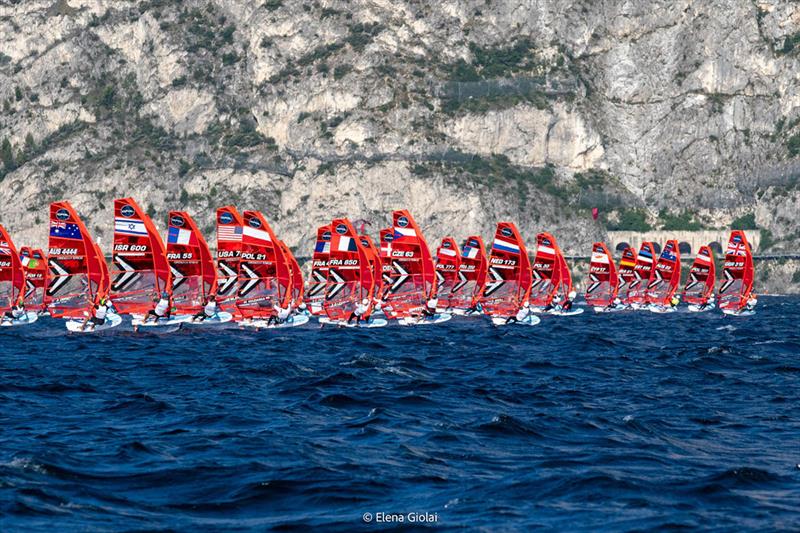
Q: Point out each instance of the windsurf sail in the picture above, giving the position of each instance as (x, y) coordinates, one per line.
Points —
(315, 294)
(194, 274)
(602, 281)
(643, 273)
(448, 261)
(627, 263)
(34, 265)
(264, 276)
(76, 280)
(386, 237)
(548, 269)
(737, 273)
(702, 278)
(140, 269)
(413, 279)
(509, 279)
(350, 275)
(471, 274)
(229, 253)
(105, 285)
(375, 263)
(666, 276)
(295, 274)
(12, 277)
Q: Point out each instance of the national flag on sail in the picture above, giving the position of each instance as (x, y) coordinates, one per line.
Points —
(599, 257)
(447, 251)
(346, 244)
(505, 246)
(323, 247)
(28, 262)
(736, 246)
(469, 252)
(668, 255)
(229, 234)
(181, 236)
(404, 232)
(258, 235)
(65, 230)
(4, 248)
(130, 226)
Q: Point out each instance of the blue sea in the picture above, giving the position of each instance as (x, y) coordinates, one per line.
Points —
(625, 421)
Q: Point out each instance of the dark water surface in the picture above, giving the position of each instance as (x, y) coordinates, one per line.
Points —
(623, 421)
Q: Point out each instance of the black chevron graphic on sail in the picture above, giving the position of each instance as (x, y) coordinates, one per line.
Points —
(226, 273)
(496, 283)
(336, 286)
(252, 280)
(126, 276)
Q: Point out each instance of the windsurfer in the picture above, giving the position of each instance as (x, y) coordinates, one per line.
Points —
(567, 305)
(360, 310)
(616, 304)
(280, 315)
(98, 316)
(751, 302)
(17, 312)
(553, 303)
(161, 308)
(708, 303)
(209, 309)
(521, 315)
(429, 311)
(674, 301)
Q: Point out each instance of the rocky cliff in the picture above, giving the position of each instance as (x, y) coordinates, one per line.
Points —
(673, 114)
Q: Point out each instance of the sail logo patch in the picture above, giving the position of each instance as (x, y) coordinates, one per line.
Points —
(177, 220)
(445, 244)
(506, 232)
(326, 235)
(402, 221)
(341, 229)
(389, 237)
(225, 217)
(62, 214)
(254, 223)
(127, 211)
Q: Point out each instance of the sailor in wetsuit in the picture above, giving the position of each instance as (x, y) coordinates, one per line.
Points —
(161, 309)
(358, 313)
(521, 315)
(209, 309)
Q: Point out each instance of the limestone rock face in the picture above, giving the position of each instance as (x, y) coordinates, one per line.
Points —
(465, 112)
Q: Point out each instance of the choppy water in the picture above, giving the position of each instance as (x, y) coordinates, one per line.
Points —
(622, 421)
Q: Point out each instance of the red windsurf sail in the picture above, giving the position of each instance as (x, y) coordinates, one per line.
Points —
(602, 281)
(386, 238)
(264, 276)
(471, 274)
(627, 263)
(76, 280)
(349, 272)
(229, 253)
(12, 277)
(702, 278)
(315, 295)
(375, 264)
(413, 277)
(737, 273)
(105, 284)
(194, 274)
(140, 269)
(509, 281)
(448, 262)
(643, 273)
(34, 265)
(548, 269)
(666, 276)
(296, 276)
